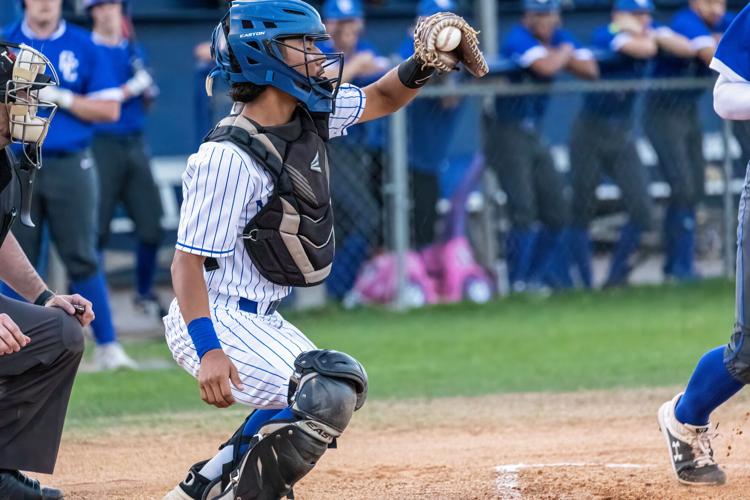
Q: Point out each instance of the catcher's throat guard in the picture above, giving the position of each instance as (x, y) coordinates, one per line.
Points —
(23, 74)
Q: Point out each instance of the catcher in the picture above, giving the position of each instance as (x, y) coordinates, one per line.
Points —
(256, 220)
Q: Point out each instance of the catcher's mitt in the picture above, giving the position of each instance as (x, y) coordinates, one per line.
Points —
(467, 52)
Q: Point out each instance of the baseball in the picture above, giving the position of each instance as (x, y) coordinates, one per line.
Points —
(448, 39)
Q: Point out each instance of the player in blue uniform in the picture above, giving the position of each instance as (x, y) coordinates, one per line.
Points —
(67, 189)
(356, 190)
(603, 135)
(723, 371)
(672, 122)
(120, 150)
(538, 201)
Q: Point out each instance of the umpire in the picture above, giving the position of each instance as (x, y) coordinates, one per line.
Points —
(41, 344)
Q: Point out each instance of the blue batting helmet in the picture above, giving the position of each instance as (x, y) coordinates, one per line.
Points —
(338, 10)
(430, 7)
(246, 47)
(634, 5)
(541, 5)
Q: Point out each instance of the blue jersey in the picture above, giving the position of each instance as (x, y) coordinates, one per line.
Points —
(689, 24)
(432, 123)
(732, 58)
(521, 47)
(133, 112)
(614, 66)
(82, 68)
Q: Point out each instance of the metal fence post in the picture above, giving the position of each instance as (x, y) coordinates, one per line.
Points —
(728, 202)
(399, 191)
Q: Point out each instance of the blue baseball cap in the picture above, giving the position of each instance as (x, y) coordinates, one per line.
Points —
(430, 7)
(541, 5)
(634, 5)
(337, 10)
(88, 4)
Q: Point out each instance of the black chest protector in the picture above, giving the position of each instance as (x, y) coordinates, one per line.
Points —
(9, 192)
(290, 240)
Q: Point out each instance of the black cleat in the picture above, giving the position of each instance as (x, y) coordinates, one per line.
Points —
(16, 486)
(689, 449)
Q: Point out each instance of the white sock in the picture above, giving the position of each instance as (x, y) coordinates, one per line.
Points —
(213, 468)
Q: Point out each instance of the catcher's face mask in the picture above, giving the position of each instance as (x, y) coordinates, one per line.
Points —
(23, 73)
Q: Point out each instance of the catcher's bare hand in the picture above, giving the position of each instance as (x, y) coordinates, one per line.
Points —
(84, 311)
(214, 375)
(11, 338)
(467, 52)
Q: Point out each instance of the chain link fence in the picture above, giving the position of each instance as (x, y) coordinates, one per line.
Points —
(520, 193)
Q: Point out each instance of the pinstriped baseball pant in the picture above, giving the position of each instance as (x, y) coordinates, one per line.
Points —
(262, 347)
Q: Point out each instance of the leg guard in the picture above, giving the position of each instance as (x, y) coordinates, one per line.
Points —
(325, 390)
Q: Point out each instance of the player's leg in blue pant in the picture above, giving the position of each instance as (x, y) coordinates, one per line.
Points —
(619, 269)
(720, 374)
(579, 244)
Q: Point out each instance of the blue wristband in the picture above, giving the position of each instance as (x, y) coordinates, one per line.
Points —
(201, 330)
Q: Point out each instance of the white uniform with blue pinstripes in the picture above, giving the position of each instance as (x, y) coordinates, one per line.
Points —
(223, 188)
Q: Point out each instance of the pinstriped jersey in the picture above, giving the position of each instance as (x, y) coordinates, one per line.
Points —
(223, 189)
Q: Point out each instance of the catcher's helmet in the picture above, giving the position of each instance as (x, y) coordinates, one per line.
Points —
(246, 47)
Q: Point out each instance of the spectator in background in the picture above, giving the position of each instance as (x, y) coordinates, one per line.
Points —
(603, 135)
(357, 157)
(67, 190)
(537, 199)
(432, 123)
(120, 151)
(672, 122)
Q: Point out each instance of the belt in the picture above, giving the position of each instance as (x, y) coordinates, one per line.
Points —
(250, 306)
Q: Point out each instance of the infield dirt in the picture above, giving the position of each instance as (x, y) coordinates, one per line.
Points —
(582, 445)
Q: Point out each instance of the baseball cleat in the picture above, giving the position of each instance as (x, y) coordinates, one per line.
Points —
(112, 357)
(689, 449)
(195, 486)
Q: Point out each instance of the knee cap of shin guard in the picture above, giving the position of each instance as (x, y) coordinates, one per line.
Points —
(333, 364)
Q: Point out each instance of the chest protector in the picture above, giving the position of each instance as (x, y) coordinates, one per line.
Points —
(9, 190)
(290, 240)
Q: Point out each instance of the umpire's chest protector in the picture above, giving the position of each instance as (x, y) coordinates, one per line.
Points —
(9, 189)
(290, 240)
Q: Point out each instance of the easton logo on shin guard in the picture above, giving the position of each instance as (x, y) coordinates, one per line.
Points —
(320, 430)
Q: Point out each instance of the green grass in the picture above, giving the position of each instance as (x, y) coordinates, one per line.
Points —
(647, 336)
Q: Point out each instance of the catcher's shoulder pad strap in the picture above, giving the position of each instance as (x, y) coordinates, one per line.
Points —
(333, 364)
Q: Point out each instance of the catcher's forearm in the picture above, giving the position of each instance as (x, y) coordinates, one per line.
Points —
(386, 96)
(190, 286)
(17, 272)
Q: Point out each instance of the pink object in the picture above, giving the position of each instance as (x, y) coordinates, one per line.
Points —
(376, 282)
(458, 275)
